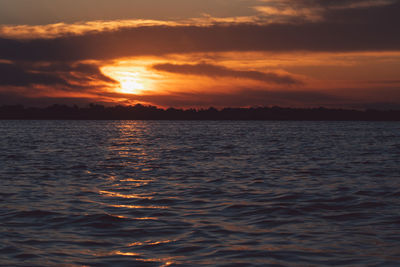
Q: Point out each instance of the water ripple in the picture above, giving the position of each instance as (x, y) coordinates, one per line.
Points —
(111, 193)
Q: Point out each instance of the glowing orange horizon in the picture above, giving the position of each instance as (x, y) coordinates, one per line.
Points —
(330, 73)
(358, 77)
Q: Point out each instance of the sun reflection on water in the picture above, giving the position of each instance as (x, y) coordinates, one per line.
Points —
(126, 253)
(115, 194)
(150, 243)
(136, 180)
(132, 198)
(137, 206)
(137, 257)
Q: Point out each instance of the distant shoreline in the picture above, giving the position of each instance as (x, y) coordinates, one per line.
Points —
(141, 112)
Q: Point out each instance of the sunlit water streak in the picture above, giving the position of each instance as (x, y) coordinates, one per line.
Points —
(124, 193)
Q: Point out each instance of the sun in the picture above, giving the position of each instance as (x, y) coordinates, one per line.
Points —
(131, 85)
(134, 80)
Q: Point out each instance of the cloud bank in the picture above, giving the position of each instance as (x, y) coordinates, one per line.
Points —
(67, 57)
(370, 28)
(216, 71)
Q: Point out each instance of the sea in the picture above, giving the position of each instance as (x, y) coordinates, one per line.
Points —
(199, 193)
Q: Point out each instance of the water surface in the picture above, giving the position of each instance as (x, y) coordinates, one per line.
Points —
(136, 193)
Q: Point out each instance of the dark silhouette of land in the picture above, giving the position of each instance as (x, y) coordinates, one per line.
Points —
(141, 112)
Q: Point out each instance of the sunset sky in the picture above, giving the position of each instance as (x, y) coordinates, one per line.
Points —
(192, 53)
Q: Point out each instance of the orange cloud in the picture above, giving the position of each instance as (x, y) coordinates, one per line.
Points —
(314, 55)
(209, 70)
(57, 30)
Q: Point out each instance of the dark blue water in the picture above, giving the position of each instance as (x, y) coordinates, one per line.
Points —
(120, 193)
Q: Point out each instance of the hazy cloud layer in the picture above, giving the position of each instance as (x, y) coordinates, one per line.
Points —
(352, 29)
(245, 97)
(51, 11)
(163, 40)
(241, 98)
(384, 99)
(214, 71)
(11, 98)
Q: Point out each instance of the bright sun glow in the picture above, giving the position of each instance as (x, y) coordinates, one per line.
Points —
(130, 83)
(132, 79)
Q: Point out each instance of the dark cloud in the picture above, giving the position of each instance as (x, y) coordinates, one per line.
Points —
(341, 3)
(61, 76)
(15, 75)
(210, 70)
(380, 17)
(11, 98)
(356, 29)
(357, 3)
(321, 7)
(77, 72)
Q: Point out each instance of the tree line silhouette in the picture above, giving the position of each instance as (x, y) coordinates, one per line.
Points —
(142, 112)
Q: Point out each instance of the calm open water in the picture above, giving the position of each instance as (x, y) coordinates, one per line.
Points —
(136, 193)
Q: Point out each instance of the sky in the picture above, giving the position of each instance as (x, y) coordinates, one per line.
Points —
(192, 53)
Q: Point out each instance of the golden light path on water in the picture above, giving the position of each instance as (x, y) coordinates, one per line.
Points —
(138, 257)
(132, 80)
(196, 193)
